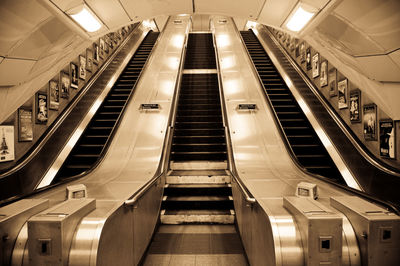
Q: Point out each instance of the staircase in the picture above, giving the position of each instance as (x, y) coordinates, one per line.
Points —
(302, 139)
(93, 142)
(198, 187)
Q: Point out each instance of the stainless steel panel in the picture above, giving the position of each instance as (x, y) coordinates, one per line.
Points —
(50, 232)
(377, 230)
(321, 230)
(12, 219)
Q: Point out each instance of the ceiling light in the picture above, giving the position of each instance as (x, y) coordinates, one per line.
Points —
(85, 18)
(299, 18)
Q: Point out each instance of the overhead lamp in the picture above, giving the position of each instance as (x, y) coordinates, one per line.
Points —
(299, 17)
(85, 17)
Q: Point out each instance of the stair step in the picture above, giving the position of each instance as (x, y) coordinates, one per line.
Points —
(197, 217)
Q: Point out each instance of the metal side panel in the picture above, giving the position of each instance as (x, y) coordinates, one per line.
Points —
(12, 219)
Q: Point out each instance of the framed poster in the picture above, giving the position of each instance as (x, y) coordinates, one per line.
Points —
(315, 65)
(73, 70)
(41, 113)
(65, 84)
(7, 152)
(102, 47)
(387, 139)
(302, 52)
(308, 58)
(25, 125)
(297, 50)
(355, 101)
(54, 93)
(96, 56)
(82, 67)
(369, 121)
(89, 60)
(324, 74)
(342, 93)
(332, 75)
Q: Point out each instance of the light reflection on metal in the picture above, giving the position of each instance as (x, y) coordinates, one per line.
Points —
(227, 62)
(177, 40)
(223, 40)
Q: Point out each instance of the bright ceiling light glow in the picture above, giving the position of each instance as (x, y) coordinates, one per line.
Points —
(87, 20)
(299, 19)
(251, 24)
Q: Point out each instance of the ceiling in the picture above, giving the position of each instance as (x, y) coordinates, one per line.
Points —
(35, 30)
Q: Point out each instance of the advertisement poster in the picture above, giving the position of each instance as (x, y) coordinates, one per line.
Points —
(315, 65)
(7, 152)
(89, 60)
(302, 52)
(65, 85)
(25, 125)
(102, 47)
(369, 121)
(308, 58)
(342, 94)
(297, 50)
(332, 82)
(324, 74)
(82, 67)
(355, 101)
(96, 55)
(41, 108)
(54, 93)
(73, 70)
(387, 139)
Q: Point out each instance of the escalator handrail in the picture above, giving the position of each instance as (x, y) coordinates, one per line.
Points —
(338, 120)
(249, 198)
(164, 161)
(388, 205)
(64, 114)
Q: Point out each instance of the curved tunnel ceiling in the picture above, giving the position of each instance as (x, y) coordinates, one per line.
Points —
(34, 30)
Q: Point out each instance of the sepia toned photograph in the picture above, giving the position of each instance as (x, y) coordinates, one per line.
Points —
(315, 65)
(25, 124)
(73, 70)
(96, 55)
(42, 112)
(54, 93)
(342, 94)
(332, 76)
(355, 101)
(302, 52)
(324, 74)
(82, 67)
(387, 139)
(101, 47)
(7, 152)
(369, 121)
(65, 84)
(297, 50)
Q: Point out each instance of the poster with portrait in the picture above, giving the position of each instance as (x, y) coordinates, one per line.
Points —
(324, 74)
(369, 121)
(54, 93)
(82, 67)
(25, 124)
(387, 139)
(315, 65)
(7, 152)
(96, 56)
(102, 47)
(89, 60)
(297, 50)
(42, 112)
(302, 52)
(308, 58)
(73, 70)
(332, 75)
(65, 84)
(355, 101)
(342, 93)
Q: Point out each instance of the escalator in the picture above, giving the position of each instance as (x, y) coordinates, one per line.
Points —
(92, 144)
(300, 135)
(197, 212)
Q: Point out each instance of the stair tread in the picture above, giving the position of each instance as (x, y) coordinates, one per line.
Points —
(198, 198)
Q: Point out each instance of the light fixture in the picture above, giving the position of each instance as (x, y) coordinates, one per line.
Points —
(251, 24)
(85, 18)
(300, 16)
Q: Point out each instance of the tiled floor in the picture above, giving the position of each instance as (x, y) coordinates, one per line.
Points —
(176, 245)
